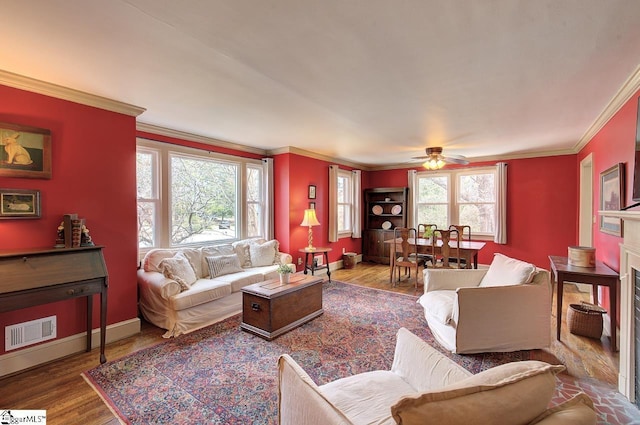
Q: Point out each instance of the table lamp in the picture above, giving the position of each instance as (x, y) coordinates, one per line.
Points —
(310, 220)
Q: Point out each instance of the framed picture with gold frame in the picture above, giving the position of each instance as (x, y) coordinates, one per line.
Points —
(19, 203)
(25, 151)
(612, 198)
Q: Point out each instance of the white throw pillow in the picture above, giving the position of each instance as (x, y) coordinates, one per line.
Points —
(179, 269)
(264, 254)
(505, 271)
(223, 264)
(241, 248)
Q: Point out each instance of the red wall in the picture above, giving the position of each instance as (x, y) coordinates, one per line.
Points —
(94, 175)
(294, 173)
(613, 144)
(541, 207)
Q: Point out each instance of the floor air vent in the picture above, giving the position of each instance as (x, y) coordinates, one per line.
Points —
(28, 333)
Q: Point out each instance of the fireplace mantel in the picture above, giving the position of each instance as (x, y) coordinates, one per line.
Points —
(629, 264)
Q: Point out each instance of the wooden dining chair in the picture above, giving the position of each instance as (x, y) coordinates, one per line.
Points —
(426, 231)
(405, 254)
(443, 252)
(465, 234)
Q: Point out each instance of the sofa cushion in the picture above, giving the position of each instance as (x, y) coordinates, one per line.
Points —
(153, 258)
(264, 254)
(515, 392)
(505, 271)
(202, 291)
(223, 264)
(249, 276)
(380, 389)
(578, 410)
(241, 248)
(179, 269)
(212, 251)
(439, 304)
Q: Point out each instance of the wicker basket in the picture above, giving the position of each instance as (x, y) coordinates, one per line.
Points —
(585, 319)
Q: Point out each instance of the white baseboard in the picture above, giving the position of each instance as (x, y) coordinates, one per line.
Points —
(18, 360)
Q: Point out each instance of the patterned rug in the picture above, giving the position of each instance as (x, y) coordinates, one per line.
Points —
(222, 375)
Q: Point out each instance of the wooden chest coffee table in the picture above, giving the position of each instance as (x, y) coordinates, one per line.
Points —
(270, 308)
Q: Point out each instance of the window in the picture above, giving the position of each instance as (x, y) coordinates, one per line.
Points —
(345, 201)
(204, 200)
(476, 201)
(458, 197)
(255, 201)
(192, 197)
(433, 199)
(148, 196)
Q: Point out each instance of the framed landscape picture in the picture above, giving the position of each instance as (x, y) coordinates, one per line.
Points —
(19, 203)
(25, 151)
(611, 198)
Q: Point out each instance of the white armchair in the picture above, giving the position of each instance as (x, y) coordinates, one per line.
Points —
(426, 387)
(506, 307)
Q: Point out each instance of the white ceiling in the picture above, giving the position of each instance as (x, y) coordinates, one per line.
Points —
(368, 81)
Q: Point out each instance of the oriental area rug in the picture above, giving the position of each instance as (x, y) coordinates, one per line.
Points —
(223, 375)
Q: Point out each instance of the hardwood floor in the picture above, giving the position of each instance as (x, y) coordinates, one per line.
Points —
(59, 388)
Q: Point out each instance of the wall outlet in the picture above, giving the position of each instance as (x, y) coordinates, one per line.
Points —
(318, 260)
(299, 261)
(344, 250)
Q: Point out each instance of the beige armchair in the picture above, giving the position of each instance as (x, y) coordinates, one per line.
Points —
(426, 387)
(506, 307)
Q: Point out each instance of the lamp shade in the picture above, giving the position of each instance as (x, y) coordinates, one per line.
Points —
(310, 218)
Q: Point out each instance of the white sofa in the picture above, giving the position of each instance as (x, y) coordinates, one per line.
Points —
(185, 289)
(506, 307)
(425, 387)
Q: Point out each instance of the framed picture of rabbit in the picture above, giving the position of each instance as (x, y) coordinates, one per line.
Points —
(25, 151)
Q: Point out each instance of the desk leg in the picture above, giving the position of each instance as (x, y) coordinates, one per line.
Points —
(613, 300)
(475, 260)
(89, 320)
(326, 261)
(559, 284)
(103, 324)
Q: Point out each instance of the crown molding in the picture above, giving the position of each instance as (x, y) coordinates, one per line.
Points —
(49, 89)
(163, 131)
(321, 157)
(628, 89)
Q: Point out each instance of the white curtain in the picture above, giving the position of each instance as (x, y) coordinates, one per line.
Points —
(356, 210)
(333, 203)
(267, 172)
(501, 203)
(412, 201)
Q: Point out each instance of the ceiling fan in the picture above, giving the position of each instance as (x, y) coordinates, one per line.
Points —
(434, 160)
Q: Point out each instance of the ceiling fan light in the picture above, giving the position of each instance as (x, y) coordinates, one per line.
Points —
(434, 163)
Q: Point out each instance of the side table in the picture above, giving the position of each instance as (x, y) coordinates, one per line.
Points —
(600, 275)
(311, 265)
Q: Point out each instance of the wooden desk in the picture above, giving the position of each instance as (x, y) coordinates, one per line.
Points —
(468, 251)
(311, 265)
(600, 275)
(35, 277)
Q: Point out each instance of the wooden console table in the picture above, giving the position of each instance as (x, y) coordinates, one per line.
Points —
(41, 276)
(600, 275)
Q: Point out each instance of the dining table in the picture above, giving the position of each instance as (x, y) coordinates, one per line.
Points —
(468, 250)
